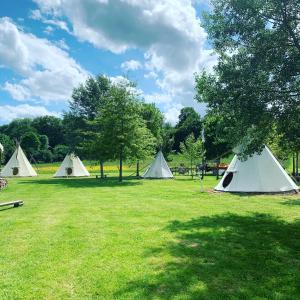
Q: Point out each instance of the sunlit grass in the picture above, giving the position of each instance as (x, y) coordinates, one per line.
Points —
(157, 239)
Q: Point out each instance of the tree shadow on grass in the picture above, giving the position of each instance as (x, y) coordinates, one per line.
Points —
(85, 182)
(292, 202)
(225, 257)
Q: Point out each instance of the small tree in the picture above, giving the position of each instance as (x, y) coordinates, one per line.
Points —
(192, 149)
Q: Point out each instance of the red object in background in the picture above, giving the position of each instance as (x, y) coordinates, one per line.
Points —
(222, 166)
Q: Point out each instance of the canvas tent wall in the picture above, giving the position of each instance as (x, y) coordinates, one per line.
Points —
(159, 168)
(260, 173)
(18, 165)
(72, 166)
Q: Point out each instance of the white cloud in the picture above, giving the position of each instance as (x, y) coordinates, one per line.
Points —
(131, 65)
(8, 112)
(168, 31)
(151, 75)
(48, 72)
(62, 44)
(48, 30)
(157, 98)
(172, 114)
(37, 15)
(17, 91)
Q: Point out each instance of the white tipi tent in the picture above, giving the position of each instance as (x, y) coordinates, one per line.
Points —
(72, 166)
(18, 166)
(260, 173)
(159, 168)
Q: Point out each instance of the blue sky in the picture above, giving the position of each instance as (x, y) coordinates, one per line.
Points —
(48, 47)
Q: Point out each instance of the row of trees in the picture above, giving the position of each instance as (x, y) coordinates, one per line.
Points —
(42, 138)
(108, 121)
(111, 122)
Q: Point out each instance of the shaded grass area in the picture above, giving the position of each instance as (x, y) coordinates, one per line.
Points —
(159, 239)
(226, 256)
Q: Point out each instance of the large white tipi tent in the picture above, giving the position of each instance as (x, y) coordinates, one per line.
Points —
(260, 173)
(159, 168)
(18, 165)
(72, 166)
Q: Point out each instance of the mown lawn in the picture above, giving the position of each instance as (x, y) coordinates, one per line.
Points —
(92, 239)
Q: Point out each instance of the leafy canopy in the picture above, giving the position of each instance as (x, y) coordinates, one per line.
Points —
(256, 84)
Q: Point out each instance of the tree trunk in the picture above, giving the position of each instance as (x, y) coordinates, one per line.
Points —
(192, 169)
(218, 163)
(101, 169)
(121, 165)
(294, 165)
(297, 164)
(202, 175)
(138, 168)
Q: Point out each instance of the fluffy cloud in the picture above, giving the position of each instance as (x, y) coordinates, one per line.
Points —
(48, 72)
(157, 98)
(36, 15)
(131, 65)
(168, 31)
(172, 114)
(8, 112)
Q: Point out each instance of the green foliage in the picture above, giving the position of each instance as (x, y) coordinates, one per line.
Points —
(74, 129)
(189, 122)
(50, 126)
(256, 85)
(193, 150)
(30, 142)
(35, 136)
(17, 128)
(8, 145)
(107, 121)
(44, 141)
(43, 155)
(122, 132)
(167, 139)
(60, 151)
(214, 128)
(153, 119)
(88, 97)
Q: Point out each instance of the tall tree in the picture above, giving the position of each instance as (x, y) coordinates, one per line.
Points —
(189, 122)
(122, 130)
(256, 83)
(154, 120)
(168, 132)
(88, 97)
(85, 104)
(215, 145)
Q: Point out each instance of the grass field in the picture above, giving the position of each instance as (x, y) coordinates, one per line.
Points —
(92, 239)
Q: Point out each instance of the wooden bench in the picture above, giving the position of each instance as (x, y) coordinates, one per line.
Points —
(16, 203)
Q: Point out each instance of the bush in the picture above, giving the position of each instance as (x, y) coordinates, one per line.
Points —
(59, 152)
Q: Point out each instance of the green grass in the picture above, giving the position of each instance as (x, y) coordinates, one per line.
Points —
(93, 239)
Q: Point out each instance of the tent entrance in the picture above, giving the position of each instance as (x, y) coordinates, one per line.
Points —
(227, 180)
(69, 171)
(15, 171)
